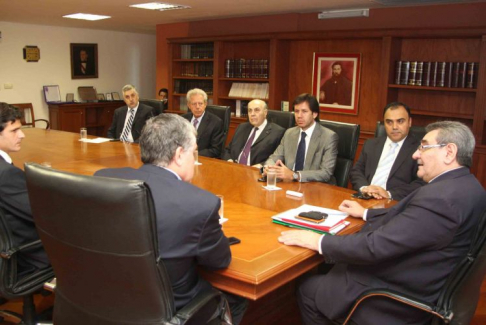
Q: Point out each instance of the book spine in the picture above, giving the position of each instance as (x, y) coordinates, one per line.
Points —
(405, 72)
(418, 75)
(441, 74)
(398, 71)
(448, 74)
(227, 67)
(462, 74)
(455, 74)
(433, 74)
(426, 74)
(412, 73)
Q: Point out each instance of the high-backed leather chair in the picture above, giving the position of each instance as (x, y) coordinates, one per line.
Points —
(224, 113)
(29, 119)
(158, 105)
(284, 119)
(101, 237)
(347, 146)
(417, 131)
(459, 297)
(14, 285)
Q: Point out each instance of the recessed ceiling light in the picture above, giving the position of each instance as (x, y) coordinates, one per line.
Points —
(86, 16)
(159, 6)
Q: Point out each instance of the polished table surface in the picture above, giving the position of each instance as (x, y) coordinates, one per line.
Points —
(260, 263)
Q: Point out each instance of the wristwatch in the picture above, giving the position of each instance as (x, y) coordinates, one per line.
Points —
(295, 176)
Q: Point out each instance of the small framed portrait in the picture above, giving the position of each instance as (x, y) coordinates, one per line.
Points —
(108, 96)
(100, 96)
(115, 96)
(335, 81)
(84, 61)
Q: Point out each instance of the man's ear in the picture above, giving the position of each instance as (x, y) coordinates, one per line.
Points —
(178, 156)
(451, 153)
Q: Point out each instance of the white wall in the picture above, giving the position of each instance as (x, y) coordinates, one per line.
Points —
(122, 58)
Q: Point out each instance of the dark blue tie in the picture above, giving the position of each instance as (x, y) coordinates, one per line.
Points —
(300, 157)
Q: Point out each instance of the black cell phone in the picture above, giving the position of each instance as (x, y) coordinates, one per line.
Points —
(263, 179)
(314, 215)
(362, 196)
(233, 240)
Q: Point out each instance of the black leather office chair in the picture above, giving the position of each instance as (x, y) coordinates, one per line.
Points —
(158, 105)
(284, 119)
(417, 131)
(14, 286)
(224, 113)
(101, 237)
(459, 297)
(347, 146)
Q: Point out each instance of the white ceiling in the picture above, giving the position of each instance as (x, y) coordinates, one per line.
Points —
(50, 12)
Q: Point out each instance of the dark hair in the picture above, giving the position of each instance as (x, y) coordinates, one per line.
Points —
(337, 63)
(310, 100)
(9, 113)
(165, 90)
(395, 105)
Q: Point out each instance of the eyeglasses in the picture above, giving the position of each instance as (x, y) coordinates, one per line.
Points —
(423, 147)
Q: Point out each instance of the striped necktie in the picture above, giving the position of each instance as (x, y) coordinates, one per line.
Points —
(128, 126)
(384, 167)
(246, 151)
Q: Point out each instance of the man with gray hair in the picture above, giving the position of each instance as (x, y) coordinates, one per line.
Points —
(189, 233)
(411, 248)
(209, 127)
(129, 120)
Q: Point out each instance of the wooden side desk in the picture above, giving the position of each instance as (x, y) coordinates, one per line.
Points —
(260, 263)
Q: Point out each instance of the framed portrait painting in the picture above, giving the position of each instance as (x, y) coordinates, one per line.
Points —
(84, 61)
(335, 81)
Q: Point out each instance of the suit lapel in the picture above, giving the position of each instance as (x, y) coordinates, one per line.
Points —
(266, 131)
(313, 146)
(291, 147)
(203, 125)
(376, 154)
(403, 154)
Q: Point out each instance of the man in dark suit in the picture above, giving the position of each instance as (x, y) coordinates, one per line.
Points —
(308, 151)
(189, 233)
(256, 140)
(129, 120)
(381, 173)
(14, 200)
(209, 127)
(84, 65)
(412, 247)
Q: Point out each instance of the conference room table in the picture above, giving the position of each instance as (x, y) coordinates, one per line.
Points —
(260, 264)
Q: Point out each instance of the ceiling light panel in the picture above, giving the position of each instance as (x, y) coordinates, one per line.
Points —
(160, 6)
(86, 16)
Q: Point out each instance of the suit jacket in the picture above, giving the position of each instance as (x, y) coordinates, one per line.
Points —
(189, 233)
(403, 175)
(320, 159)
(261, 149)
(14, 201)
(209, 135)
(411, 247)
(144, 112)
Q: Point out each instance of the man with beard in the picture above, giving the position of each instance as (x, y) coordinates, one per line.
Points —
(337, 89)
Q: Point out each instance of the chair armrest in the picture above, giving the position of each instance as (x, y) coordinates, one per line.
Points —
(193, 307)
(7, 254)
(46, 121)
(445, 315)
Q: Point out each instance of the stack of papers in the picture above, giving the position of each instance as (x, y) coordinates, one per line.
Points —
(334, 223)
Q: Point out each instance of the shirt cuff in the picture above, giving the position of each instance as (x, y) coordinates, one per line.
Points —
(389, 195)
(365, 214)
(320, 246)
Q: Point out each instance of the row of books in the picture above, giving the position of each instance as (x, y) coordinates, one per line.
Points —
(197, 69)
(197, 51)
(241, 108)
(246, 68)
(249, 90)
(437, 74)
(183, 86)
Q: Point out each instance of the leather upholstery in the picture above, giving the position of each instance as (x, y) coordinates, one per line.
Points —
(417, 131)
(224, 113)
(158, 105)
(284, 119)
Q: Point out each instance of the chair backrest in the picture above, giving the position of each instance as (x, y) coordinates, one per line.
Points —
(158, 105)
(224, 113)
(29, 119)
(347, 146)
(417, 131)
(100, 236)
(461, 291)
(284, 119)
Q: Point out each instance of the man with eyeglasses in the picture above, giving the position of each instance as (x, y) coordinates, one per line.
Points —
(411, 248)
(209, 127)
(385, 168)
(256, 140)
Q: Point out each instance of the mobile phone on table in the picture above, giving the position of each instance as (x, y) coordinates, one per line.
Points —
(362, 196)
(233, 240)
(312, 216)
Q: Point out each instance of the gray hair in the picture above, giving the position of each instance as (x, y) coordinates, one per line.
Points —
(196, 91)
(459, 134)
(128, 88)
(162, 135)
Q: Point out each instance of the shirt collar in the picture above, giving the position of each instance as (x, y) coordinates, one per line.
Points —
(400, 143)
(444, 172)
(310, 130)
(264, 124)
(5, 156)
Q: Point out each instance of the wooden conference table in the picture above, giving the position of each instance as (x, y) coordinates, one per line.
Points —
(260, 263)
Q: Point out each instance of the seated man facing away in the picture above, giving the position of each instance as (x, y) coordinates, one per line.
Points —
(307, 151)
(14, 199)
(209, 127)
(411, 248)
(129, 120)
(386, 168)
(255, 141)
(189, 233)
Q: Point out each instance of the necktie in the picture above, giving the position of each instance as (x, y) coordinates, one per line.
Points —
(128, 126)
(300, 157)
(246, 151)
(384, 167)
(195, 122)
